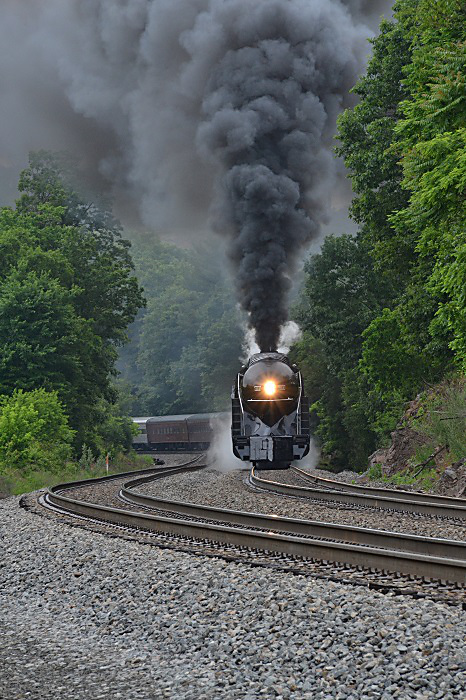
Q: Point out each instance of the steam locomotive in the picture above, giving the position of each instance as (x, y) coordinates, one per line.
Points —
(270, 414)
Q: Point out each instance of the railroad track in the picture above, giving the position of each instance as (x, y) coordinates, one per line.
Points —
(399, 494)
(385, 499)
(295, 540)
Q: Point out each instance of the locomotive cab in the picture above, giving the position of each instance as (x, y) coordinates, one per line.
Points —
(270, 414)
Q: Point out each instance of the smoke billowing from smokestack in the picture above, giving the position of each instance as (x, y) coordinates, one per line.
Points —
(269, 110)
(191, 105)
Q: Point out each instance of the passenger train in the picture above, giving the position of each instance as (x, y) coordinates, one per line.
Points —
(269, 419)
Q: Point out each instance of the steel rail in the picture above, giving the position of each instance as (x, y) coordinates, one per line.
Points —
(421, 565)
(430, 546)
(155, 472)
(383, 502)
(399, 494)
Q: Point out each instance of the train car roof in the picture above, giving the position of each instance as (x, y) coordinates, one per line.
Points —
(165, 419)
(185, 416)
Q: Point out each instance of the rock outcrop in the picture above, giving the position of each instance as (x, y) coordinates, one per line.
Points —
(408, 439)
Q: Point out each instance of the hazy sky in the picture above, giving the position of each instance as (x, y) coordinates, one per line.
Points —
(104, 80)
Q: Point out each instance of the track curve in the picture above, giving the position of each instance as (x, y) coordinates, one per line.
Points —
(399, 494)
(387, 501)
(430, 558)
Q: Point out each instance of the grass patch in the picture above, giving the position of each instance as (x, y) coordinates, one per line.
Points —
(15, 482)
(424, 479)
(442, 418)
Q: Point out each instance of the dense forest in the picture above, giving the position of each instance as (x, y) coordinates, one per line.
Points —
(384, 312)
(91, 333)
(94, 328)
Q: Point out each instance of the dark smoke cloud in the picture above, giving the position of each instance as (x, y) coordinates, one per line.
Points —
(186, 105)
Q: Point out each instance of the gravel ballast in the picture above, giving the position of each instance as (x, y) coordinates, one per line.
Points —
(85, 616)
(229, 490)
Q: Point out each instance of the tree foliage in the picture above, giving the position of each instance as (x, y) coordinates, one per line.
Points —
(67, 294)
(367, 134)
(404, 146)
(432, 136)
(343, 293)
(34, 432)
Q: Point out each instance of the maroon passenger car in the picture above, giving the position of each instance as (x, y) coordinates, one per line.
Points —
(192, 431)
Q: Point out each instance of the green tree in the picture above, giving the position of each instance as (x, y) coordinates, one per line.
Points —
(403, 144)
(114, 430)
(367, 134)
(342, 294)
(424, 335)
(67, 294)
(432, 138)
(89, 240)
(34, 432)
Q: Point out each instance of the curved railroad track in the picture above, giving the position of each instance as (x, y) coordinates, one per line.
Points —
(411, 554)
(399, 494)
(264, 538)
(385, 499)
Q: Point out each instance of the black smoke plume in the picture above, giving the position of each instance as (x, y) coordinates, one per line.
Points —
(189, 105)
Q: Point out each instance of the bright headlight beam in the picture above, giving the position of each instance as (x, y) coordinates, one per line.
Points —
(270, 388)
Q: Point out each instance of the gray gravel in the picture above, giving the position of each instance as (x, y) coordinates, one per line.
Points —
(85, 616)
(228, 490)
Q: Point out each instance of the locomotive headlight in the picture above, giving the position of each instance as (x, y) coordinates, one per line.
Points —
(270, 388)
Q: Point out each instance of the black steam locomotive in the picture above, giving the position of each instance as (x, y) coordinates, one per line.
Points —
(270, 414)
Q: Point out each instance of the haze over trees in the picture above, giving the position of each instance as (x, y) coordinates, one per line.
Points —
(385, 312)
(185, 346)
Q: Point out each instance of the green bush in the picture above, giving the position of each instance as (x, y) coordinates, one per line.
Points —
(375, 471)
(34, 433)
(115, 434)
(90, 462)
